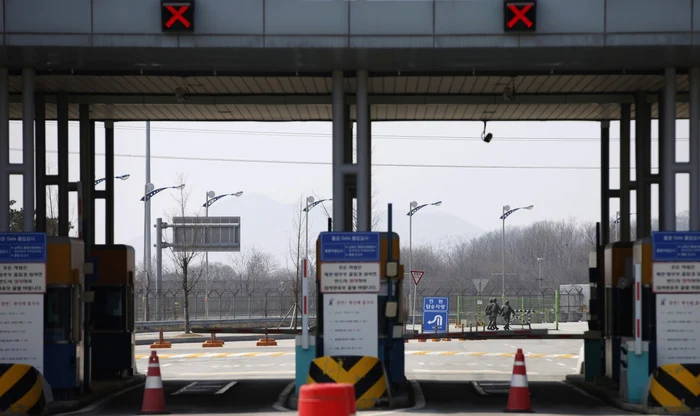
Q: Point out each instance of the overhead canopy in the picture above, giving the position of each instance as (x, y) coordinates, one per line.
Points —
(308, 98)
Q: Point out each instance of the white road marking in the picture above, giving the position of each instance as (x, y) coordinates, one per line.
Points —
(562, 364)
(549, 359)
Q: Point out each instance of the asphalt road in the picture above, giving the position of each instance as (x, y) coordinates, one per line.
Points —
(445, 360)
(443, 374)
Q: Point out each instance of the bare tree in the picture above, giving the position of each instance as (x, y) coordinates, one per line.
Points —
(186, 253)
(254, 268)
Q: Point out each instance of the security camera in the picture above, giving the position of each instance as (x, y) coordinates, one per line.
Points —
(486, 137)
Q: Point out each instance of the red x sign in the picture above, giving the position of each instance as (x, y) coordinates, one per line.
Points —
(520, 15)
(177, 15)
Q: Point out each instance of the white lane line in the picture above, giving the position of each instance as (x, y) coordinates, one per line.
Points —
(549, 359)
(562, 364)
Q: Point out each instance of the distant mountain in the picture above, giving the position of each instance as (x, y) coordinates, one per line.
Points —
(267, 224)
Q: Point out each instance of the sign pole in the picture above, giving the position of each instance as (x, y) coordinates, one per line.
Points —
(304, 306)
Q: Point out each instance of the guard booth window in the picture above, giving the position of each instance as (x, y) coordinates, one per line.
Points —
(109, 309)
(57, 314)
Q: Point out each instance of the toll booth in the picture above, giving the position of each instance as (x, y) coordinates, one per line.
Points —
(390, 300)
(112, 329)
(619, 318)
(63, 316)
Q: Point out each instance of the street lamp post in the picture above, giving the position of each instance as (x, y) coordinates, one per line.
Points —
(310, 203)
(121, 177)
(506, 212)
(210, 199)
(146, 199)
(413, 207)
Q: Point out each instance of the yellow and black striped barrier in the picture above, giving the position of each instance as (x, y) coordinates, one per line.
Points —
(21, 390)
(675, 387)
(366, 374)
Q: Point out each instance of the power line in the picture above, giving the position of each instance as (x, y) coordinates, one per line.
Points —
(321, 163)
(316, 135)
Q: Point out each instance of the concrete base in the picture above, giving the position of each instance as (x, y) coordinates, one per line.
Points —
(303, 359)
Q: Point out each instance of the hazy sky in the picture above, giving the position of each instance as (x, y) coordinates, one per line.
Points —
(525, 163)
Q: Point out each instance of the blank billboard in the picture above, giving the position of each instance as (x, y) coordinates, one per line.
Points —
(206, 234)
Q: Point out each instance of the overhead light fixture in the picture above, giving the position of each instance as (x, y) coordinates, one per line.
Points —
(486, 137)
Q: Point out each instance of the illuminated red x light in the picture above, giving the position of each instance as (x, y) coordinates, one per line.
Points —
(519, 15)
(177, 15)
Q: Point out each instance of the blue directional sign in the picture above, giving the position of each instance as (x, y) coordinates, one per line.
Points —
(22, 247)
(433, 320)
(349, 246)
(436, 304)
(675, 246)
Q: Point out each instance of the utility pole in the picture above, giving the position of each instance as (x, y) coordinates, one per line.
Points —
(147, 224)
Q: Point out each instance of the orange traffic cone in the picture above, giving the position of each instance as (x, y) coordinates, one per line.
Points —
(153, 396)
(519, 395)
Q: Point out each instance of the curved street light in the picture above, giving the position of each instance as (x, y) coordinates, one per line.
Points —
(506, 212)
(151, 193)
(413, 207)
(121, 177)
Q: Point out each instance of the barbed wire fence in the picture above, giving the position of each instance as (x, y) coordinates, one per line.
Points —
(467, 306)
(227, 300)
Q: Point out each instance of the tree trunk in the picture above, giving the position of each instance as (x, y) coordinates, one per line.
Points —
(186, 304)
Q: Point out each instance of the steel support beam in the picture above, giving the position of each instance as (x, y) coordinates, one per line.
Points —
(40, 172)
(642, 164)
(364, 155)
(28, 148)
(63, 162)
(605, 182)
(667, 126)
(4, 151)
(625, 153)
(339, 133)
(694, 149)
(109, 174)
(87, 181)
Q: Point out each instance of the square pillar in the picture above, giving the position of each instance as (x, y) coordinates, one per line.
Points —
(40, 173)
(643, 158)
(339, 126)
(28, 148)
(694, 149)
(63, 183)
(109, 191)
(4, 150)
(605, 182)
(625, 152)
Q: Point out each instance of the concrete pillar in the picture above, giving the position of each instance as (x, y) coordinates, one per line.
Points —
(642, 131)
(624, 227)
(605, 181)
(91, 213)
(364, 155)
(349, 177)
(662, 155)
(40, 172)
(28, 148)
(694, 149)
(109, 173)
(339, 120)
(667, 193)
(87, 181)
(63, 182)
(4, 150)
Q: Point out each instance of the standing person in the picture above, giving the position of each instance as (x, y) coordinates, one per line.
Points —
(487, 312)
(495, 311)
(506, 312)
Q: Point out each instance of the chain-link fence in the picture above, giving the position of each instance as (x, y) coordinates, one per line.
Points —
(570, 304)
(168, 305)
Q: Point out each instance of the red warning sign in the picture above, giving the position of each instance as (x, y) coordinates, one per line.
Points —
(417, 275)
